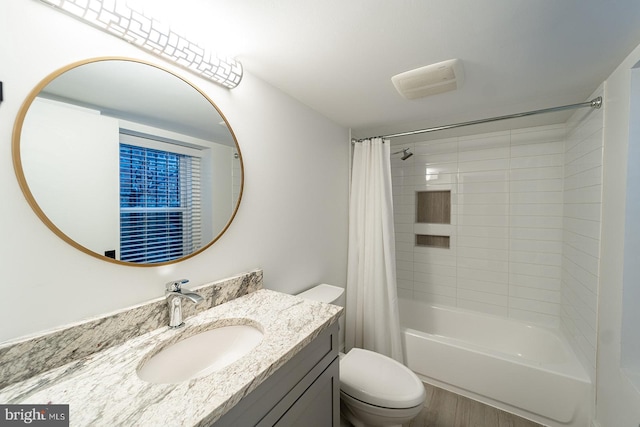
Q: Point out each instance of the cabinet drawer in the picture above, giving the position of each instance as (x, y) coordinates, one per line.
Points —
(310, 409)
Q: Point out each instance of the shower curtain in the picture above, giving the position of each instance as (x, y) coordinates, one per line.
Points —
(371, 319)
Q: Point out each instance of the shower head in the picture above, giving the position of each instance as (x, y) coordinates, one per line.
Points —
(405, 153)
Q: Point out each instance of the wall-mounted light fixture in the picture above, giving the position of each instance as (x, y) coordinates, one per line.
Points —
(117, 18)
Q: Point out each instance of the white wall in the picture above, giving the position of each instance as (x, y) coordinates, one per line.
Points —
(631, 276)
(582, 195)
(292, 221)
(78, 137)
(618, 402)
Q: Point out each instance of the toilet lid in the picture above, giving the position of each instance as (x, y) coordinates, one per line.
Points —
(379, 380)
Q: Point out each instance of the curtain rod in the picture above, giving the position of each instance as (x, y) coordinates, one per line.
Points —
(594, 103)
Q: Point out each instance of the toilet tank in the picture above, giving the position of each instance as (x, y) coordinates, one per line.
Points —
(325, 293)
(329, 294)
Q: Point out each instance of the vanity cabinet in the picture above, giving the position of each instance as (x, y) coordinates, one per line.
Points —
(303, 392)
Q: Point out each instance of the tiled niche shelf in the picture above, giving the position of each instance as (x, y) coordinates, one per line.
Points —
(431, 241)
(433, 207)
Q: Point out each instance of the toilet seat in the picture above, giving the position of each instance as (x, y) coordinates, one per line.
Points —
(379, 380)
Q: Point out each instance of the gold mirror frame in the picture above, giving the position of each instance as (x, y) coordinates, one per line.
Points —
(19, 171)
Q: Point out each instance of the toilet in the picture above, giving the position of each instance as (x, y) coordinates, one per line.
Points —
(375, 390)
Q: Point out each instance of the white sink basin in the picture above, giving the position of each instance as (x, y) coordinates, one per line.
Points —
(200, 354)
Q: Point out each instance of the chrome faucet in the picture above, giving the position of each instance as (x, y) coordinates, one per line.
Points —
(175, 294)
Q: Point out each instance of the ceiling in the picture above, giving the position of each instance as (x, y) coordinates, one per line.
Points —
(338, 56)
(129, 90)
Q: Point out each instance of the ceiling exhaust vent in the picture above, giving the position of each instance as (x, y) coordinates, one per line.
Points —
(430, 80)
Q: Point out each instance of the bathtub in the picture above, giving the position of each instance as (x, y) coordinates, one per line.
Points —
(523, 369)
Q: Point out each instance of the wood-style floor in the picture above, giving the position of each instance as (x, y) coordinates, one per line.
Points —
(445, 409)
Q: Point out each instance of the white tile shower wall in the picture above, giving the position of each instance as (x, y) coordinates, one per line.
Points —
(581, 248)
(505, 254)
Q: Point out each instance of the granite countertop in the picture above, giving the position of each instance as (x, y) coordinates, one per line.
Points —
(104, 389)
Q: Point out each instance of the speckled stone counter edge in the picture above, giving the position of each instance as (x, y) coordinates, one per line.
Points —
(31, 356)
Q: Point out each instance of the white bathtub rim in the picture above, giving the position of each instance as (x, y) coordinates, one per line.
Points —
(443, 307)
(574, 367)
(571, 369)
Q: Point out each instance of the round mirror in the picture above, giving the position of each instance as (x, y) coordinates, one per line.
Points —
(127, 162)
